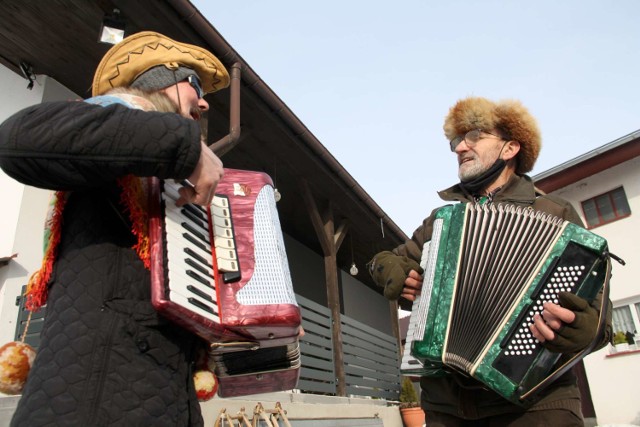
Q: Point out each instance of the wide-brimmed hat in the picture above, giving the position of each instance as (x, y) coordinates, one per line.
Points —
(509, 117)
(136, 54)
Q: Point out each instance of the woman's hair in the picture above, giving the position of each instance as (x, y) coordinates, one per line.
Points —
(158, 101)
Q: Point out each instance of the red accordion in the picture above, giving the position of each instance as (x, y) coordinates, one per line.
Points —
(222, 273)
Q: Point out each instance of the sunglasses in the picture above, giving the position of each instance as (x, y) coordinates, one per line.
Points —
(194, 81)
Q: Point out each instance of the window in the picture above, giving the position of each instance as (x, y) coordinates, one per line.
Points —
(605, 208)
(626, 318)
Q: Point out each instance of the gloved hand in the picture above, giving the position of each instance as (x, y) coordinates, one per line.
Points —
(575, 336)
(390, 271)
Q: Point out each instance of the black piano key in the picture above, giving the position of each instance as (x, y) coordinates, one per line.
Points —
(197, 257)
(199, 293)
(196, 212)
(190, 262)
(199, 278)
(196, 242)
(199, 304)
(198, 221)
(195, 232)
(232, 276)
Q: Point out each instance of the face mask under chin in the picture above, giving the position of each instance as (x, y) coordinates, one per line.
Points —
(479, 183)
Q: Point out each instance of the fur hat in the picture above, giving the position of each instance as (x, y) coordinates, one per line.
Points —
(138, 53)
(509, 117)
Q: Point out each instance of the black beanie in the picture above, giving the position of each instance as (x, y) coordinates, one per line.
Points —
(160, 77)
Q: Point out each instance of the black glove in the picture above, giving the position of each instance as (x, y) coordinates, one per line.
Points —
(577, 335)
(390, 271)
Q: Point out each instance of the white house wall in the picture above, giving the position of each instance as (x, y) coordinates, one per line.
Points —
(615, 381)
(12, 87)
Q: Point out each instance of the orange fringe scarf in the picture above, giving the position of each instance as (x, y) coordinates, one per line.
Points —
(133, 197)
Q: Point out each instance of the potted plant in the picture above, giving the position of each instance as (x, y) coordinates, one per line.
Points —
(410, 410)
(620, 341)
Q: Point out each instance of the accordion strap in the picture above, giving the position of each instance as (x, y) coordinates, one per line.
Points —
(602, 324)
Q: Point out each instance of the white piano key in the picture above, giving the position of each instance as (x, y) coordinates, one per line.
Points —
(222, 222)
(171, 207)
(180, 262)
(171, 190)
(179, 282)
(220, 212)
(176, 242)
(228, 254)
(177, 237)
(224, 243)
(227, 265)
(176, 222)
(223, 232)
(220, 202)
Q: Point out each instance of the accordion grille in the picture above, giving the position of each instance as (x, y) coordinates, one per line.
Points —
(271, 281)
(501, 249)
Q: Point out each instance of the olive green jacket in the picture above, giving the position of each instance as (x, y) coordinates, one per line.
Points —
(465, 397)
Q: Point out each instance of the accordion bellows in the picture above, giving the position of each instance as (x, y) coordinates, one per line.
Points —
(488, 270)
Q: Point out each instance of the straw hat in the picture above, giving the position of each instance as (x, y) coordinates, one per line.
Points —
(136, 54)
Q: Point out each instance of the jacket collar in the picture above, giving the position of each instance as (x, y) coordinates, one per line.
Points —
(518, 190)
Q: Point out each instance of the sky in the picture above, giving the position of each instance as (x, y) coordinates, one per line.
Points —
(373, 80)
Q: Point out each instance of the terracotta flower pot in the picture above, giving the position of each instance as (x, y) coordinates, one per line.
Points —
(412, 417)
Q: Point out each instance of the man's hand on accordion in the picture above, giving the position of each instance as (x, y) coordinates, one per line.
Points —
(412, 285)
(568, 327)
(400, 276)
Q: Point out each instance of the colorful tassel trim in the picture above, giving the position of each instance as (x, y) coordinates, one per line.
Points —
(37, 289)
(134, 199)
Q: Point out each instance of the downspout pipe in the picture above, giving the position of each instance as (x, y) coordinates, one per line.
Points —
(229, 141)
(228, 55)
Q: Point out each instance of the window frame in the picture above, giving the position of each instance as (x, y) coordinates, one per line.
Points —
(633, 306)
(615, 208)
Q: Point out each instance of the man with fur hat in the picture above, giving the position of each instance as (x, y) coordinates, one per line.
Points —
(496, 144)
(106, 357)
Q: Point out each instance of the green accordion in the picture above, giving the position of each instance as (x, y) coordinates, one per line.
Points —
(488, 270)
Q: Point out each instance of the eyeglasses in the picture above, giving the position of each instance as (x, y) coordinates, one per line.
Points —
(471, 138)
(194, 81)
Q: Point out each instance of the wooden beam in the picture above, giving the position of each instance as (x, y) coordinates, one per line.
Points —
(340, 234)
(330, 241)
(333, 299)
(314, 215)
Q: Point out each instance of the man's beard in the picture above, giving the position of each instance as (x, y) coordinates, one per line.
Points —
(481, 181)
(471, 170)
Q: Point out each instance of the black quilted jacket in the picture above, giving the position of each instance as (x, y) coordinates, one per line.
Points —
(106, 357)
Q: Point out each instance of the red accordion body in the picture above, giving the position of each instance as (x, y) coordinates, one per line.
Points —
(260, 306)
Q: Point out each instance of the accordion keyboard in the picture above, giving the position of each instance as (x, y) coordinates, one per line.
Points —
(191, 269)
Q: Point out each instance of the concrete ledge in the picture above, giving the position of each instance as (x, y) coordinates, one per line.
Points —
(308, 407)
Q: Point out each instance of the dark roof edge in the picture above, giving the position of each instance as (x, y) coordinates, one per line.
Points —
(589, 155)
(229, 56)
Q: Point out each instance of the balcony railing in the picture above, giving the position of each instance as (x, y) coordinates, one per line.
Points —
(371, 357)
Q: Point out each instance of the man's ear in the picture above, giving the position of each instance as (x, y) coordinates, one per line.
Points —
(510, 150)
